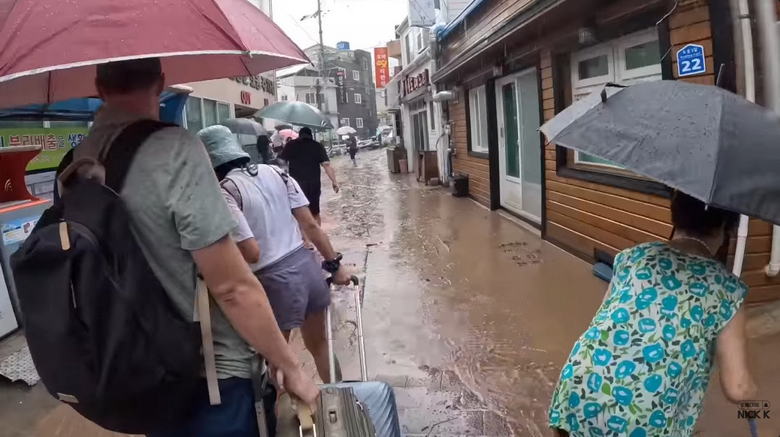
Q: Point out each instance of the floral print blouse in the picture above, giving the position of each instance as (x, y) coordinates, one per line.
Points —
(642, 366)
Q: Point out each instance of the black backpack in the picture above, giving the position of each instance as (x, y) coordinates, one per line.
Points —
(104, 335)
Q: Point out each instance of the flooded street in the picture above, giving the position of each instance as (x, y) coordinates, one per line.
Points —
(468, 314)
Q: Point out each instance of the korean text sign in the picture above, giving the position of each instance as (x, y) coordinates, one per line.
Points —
(54, 142)
(381, 67)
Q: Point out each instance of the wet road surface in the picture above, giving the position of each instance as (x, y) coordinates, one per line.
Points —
(469, 314)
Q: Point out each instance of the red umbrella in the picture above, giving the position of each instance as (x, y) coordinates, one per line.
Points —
(49, 48)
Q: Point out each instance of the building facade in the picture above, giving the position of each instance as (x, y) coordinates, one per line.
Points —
(352, 72)
(301, 84)
(511, 70)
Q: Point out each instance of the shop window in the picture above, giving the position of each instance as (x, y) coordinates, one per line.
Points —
(627, 60)
(345, 121)
(478, 131)
(355, 75)
(223, 112)
(209, 112)
(358, 99)
(359, 123)
(194, 115)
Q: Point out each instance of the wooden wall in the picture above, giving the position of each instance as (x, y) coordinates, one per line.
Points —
(480, 24)
(585, 216)
(477, 168)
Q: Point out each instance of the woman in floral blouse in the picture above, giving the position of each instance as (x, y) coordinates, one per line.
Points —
(642, 366)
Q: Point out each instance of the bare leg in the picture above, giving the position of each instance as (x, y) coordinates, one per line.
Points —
(316, 341)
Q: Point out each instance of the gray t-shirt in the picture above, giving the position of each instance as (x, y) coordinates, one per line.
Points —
(176, 207)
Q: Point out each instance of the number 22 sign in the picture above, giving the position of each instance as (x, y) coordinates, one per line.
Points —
(690, 60)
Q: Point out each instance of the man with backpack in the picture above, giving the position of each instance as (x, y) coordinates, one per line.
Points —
(180, 221)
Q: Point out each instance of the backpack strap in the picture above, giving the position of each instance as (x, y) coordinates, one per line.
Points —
(209, 357)
(230, 186)
(120, 154)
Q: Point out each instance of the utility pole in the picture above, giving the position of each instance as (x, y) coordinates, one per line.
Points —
(322, 59)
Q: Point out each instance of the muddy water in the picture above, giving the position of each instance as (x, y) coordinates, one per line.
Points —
(452, 287)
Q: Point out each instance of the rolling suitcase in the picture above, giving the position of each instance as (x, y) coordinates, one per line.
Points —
(346, 409)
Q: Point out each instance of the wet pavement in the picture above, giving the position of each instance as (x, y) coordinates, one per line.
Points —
(468, 314)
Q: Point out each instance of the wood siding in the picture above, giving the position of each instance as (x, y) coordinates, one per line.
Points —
(477, 168)
(480, 24)
(585, 216)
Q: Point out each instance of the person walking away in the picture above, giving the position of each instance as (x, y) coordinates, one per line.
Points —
(182, 224)
(352, 147)
(270, 210)
(305, 156)
(264, 149)
(643, 365)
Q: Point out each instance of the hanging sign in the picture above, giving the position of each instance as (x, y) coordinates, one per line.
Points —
(381, 67)
(690, 60)
(414, 83)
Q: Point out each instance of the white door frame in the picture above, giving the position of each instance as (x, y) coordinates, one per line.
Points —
(512, 201)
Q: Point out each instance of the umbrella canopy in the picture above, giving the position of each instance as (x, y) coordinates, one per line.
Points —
(297, 113)
(345, 130)
(50, 48)
(702, 140)
(246, 130)
(287, 133)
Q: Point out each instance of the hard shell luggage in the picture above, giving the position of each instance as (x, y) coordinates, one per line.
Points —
(346, 409)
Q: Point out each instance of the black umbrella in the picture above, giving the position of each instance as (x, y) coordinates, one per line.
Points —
(702, 140)
(245, 129)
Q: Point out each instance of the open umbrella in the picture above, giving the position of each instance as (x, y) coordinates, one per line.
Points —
(297, 113)
(288, 134)
(246, 130)
(702, 140)
(345, 130)
(50, 47)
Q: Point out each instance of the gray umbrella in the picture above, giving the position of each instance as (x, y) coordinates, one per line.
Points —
(702, 140)
(297, 113)
(245, 129)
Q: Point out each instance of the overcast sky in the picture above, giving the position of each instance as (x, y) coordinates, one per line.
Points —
(364, 23)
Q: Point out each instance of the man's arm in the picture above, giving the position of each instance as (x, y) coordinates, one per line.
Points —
(241, 297)
(331, 175)
(320, 240)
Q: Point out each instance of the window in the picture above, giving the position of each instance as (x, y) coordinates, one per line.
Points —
(194, 115)
(359, 123)
(209, 112)
(313, 98)
(419, 45)
(345, 121)
(627, 60)
(408, 48)
(223, 112)
(432, 112)
(355, 75)
(284, 98)
(478, 134)
(358, 99)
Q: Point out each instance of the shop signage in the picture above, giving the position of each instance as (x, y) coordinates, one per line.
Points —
(54, 142)
(342, 90)
(381, 67)
(246, 98)
(258, 83)
(690, 60)
(413, 83)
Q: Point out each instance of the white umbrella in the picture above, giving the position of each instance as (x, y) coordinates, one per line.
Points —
(345, 130)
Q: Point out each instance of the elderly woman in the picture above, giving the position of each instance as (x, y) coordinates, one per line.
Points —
(642, 366)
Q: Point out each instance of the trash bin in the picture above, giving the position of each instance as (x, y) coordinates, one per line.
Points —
(460, 185)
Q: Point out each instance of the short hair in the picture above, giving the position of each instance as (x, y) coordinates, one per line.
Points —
(695, 217)
(127, 76)
(305, 132)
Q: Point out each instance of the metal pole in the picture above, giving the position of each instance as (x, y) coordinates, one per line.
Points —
(322, 57)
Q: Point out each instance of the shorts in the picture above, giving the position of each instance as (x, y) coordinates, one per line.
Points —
(296, 287)
(312, 192)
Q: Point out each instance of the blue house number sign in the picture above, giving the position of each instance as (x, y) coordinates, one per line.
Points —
(690, 60)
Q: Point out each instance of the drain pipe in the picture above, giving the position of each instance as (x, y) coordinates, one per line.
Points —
(750, 94)
(766, 16)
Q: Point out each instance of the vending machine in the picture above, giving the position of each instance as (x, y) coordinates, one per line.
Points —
(19, 212)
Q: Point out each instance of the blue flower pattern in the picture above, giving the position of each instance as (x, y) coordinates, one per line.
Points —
(642, 366)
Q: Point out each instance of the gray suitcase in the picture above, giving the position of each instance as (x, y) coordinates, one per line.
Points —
(346, 409)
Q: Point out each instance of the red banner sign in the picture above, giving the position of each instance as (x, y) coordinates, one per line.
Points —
(381, 67)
